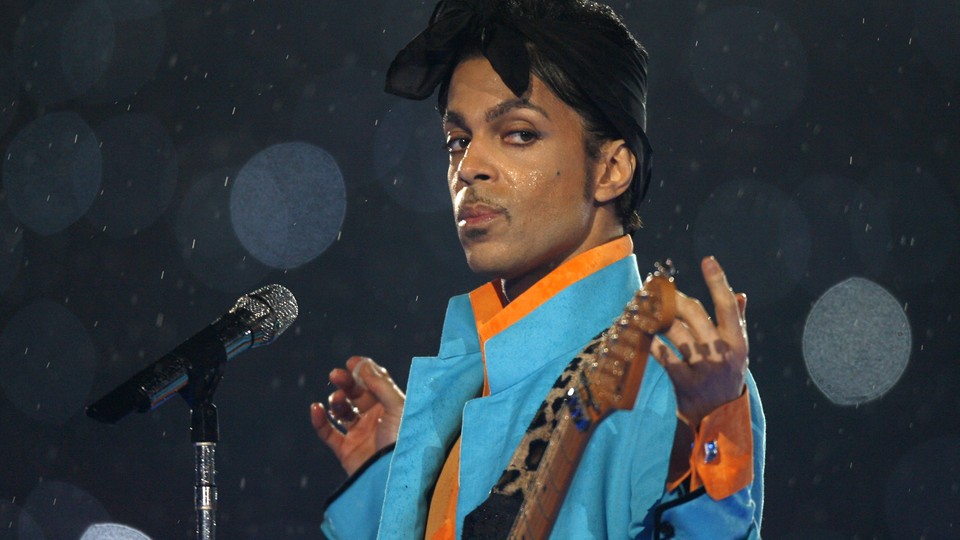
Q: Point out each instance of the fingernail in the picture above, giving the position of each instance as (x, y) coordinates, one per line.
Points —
(710, 265)
(364, 366)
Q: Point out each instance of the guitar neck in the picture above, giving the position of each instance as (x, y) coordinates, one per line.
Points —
(605, 376)
(539, 511)
(581, 417)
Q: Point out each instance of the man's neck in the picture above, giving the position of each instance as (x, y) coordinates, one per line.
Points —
(510, 289)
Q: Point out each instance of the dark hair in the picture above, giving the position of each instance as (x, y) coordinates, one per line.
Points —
(597, 128)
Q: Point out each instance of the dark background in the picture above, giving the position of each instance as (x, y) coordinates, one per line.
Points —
(801, 143)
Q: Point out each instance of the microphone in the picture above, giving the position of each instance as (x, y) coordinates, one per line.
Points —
(255, 320)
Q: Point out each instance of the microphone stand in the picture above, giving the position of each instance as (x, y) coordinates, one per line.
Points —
(202, 380)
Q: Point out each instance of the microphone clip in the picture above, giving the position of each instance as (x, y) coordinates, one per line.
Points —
(204, 373)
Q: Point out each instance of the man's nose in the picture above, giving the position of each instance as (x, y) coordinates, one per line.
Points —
(474, 165)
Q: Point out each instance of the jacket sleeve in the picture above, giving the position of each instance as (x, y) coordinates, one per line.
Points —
(353, 510)
(717, 505)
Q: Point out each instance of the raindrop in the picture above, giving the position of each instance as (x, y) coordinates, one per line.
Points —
(856, 342)
(47, 362)
(850, 230)
(938, 32)
(204, 215)
(139, 174)
(141, 38)
(15, 523)
(400, 23)
(919, 208)
(331, 107)
(409, 160)
(749, 64)
(287, 204)
(9, 92)
(62, 49)
(922, 495)
(87, 45)
(775, 258)
(63, 510)
(52, 172)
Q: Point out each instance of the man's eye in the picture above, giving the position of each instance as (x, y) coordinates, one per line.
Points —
(522, 137)
(457, 144)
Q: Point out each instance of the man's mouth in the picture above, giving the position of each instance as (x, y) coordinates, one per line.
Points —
(478, 215)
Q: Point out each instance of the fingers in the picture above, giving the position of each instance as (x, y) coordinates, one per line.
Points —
(379, 386)
(730, 323)
(361, 386)
(347, 382)
(691, 312)
(322, 425)
(695, 335)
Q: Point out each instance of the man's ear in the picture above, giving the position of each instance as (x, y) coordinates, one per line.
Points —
(613, 171)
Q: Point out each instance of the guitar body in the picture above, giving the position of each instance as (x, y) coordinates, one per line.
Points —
(605, 376)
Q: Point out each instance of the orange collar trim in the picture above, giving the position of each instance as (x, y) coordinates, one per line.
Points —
(492, 316)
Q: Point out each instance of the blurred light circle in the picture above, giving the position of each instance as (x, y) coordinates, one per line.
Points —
(139, 174)
(63, 510)
(112, 531)
(47, 362)
(938, 32)
(923, 491)
(409, 157)
(924, 221)
(87, 44)
(338, 111)
(206, 239)
(856, 342)
(15, 524)
(11, 249)
(52, 172)
(749, 64)
(61, 48)
(141, 37)
(851, 231)
(9, 92)
(288, 204)
(758, 234)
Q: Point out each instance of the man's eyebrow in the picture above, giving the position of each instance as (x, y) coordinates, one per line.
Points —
(507, 106)
(457, 119)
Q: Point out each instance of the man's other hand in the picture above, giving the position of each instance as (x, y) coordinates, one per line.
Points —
(362, 415)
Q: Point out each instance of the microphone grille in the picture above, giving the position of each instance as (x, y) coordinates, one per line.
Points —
(273, 308)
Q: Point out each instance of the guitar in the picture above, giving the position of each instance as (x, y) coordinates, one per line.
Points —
(605, 377)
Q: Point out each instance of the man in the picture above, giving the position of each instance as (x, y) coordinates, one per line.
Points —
(543, 106)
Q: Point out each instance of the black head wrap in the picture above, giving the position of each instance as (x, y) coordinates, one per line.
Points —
(610, 69)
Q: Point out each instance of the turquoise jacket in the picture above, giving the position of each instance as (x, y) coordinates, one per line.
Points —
(618, 490)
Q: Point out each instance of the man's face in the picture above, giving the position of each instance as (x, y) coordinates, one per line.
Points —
(518, 176)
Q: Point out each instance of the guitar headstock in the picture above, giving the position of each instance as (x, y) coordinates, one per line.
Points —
(622, 352)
